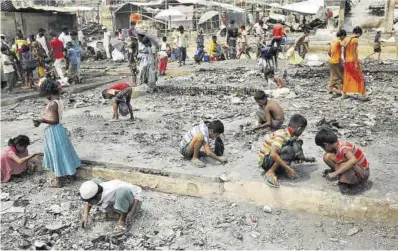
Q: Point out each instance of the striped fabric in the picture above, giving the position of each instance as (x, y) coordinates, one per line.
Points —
(345, 147)
(195, 131)
(275, 139)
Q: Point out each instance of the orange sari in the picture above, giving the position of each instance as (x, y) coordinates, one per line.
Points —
(353, 80)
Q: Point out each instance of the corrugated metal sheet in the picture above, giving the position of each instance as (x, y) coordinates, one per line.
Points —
(12, 6)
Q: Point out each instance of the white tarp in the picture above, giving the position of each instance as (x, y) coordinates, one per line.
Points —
(310, 7)
(170, 14)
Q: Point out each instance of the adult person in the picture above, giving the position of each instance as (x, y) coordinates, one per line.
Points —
(260, 34)
(232, 36)
(270, 114)
(4, 42)
(114, 196)
(148, 65)
(29, 64)
(133, 35)
(120, 34)
(15, 158)
(17, 50)
(200, 39)
(77, 48)
(7, 68)
(243, 42)
(376, 45)
(106, 41)
(72, 63)
(302, 43)
(65, 36)
(277, 33)
(59, 155)
(39, 53)
(199, 137)
(353, 79)
(41, 38)
(120, 95)
(57, 55)
(182, 43)
(336, 64)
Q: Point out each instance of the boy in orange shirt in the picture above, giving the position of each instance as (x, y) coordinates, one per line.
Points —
(336, 65)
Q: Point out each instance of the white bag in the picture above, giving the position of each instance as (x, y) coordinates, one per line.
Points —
(117, 55)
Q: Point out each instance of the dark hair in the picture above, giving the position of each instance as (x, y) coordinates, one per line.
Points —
(4, 48)
(260, 95)
(106, 95)
(214, 37)
(25, 48)
(73, 33)
(49, 87)
(325, 136)
(146, 41)
(65, 29)
(133, 23)
(232, 21)
(261, 22)
(243, 27)
(217, 126)
(116, 33)
(100, 190)
(269, 71)
(341, 33)
(119, 30)
(164, 39)
(297, 120)
(69, 44)
(20, 140)
(357, 30)
(41, 30)
(32, 38)
(53, 34)
(181, 28)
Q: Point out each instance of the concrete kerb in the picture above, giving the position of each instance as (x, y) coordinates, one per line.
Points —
(73, 89)
(331, 204)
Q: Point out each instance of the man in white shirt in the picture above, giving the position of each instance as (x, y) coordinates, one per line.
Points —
(107, 39)
(182, 42)
(112, 196)
(41, 38)
(243, 42)
(65, 37)
(8, 69)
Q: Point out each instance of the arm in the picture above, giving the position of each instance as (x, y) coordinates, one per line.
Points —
(15, 158)
(347, 165)
(210, 153)
(54, 109)
(133, 211)
(86, 211)
(275, 156)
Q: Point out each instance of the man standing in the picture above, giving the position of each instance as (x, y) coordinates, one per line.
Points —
(260, 33)
(57, 54)
(182, 42)
(65, 37)
(107, 39)
(41, 38)
(277, 33)
(133, 34)
(232, 35)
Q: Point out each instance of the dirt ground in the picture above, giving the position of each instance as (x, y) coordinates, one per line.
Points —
(216, 91)
(34, 215)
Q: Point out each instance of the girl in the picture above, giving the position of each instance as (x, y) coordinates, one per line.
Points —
(163, 56)
(15, 158)
(59, 155)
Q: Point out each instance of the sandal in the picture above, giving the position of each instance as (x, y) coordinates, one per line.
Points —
(271, 180)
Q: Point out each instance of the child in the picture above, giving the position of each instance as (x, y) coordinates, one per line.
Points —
(200, 40)
(346, 161)
(115, 195)
(199, 54)
(120, 93)
(199, 136)
(271, 78)
(73, 63)
(15, 158)
(216, 53)
(270, 114)
(29, 64)
(8, 68)
(163, 56)
(280, 149)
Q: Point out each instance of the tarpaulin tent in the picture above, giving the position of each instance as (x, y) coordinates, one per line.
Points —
(310, 7)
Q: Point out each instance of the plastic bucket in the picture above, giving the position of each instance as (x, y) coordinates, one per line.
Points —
(206, 58)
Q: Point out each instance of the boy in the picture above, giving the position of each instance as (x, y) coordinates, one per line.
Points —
(346, 161)
(271, 78)
(270, 114)
(57, 54)
(199, 136)
(280, 149)
(336, 65)
(199, 54)
(73, 62)
(115, 195)
(120, 93)
(8, 68)
(215, 50)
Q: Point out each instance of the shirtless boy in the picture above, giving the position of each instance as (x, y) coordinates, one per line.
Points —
(120, 95)
(270, 114)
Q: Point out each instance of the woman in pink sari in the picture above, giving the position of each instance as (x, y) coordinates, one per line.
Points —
(14, 158)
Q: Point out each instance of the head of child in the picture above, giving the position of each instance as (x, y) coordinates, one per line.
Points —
(357, 32)
(4, 50)
(91, 192)
(341, 34)
(50, 90)
(21, 143)
(261, 98)
(243, 28)
(269, 74)
(106, 95)
(297, 124)
(214, 38)
(69, 45)
(327, 140)
(216, 128)
(164, 39)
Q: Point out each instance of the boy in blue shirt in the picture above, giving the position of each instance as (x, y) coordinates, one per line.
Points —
(73, 62)
(199, 54)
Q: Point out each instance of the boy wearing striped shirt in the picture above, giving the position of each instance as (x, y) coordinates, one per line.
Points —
(199, 136)
(346, 161)
(281, 148)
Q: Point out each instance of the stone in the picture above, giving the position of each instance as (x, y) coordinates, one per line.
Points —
(267, 209)
(55, 209)
(255, 234)
(334, 239)
(318, 224)
(14, 210)
(352, 231)
(232, 205)
(40, 244)
(55, 226)
(6, 205)
(4, 196)
(223, 177)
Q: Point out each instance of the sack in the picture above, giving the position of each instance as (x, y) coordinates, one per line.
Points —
(219, 147)
(28, 61)
(123, 109)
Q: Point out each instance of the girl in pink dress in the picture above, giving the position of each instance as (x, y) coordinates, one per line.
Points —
(14, 158)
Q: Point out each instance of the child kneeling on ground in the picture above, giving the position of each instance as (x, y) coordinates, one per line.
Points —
(199, 136)
(346, 161)
(281, 148)
(113, 196)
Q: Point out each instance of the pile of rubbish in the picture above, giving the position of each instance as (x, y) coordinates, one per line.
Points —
(91, 29)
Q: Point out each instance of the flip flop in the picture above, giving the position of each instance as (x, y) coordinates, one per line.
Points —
(272, 180)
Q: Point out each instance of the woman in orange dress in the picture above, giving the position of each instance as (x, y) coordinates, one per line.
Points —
(353, 79)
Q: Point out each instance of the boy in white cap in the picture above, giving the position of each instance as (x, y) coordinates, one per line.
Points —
(115, 195)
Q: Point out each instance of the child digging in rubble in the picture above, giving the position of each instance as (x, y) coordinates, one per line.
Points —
(120, 95)
(112, 196)
(270, 114)
(199, 136)
(345, 160)
(280, 149)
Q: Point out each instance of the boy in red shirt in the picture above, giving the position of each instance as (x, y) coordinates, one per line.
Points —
(57, 54)
(277, 33)
(120, 94)
(346, 161)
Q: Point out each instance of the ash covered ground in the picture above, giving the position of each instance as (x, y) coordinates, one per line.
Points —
(36, 216)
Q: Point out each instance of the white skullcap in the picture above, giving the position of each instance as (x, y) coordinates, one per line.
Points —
(88, 190)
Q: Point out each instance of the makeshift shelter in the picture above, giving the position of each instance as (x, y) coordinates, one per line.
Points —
(311, 7)
(30, 19)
